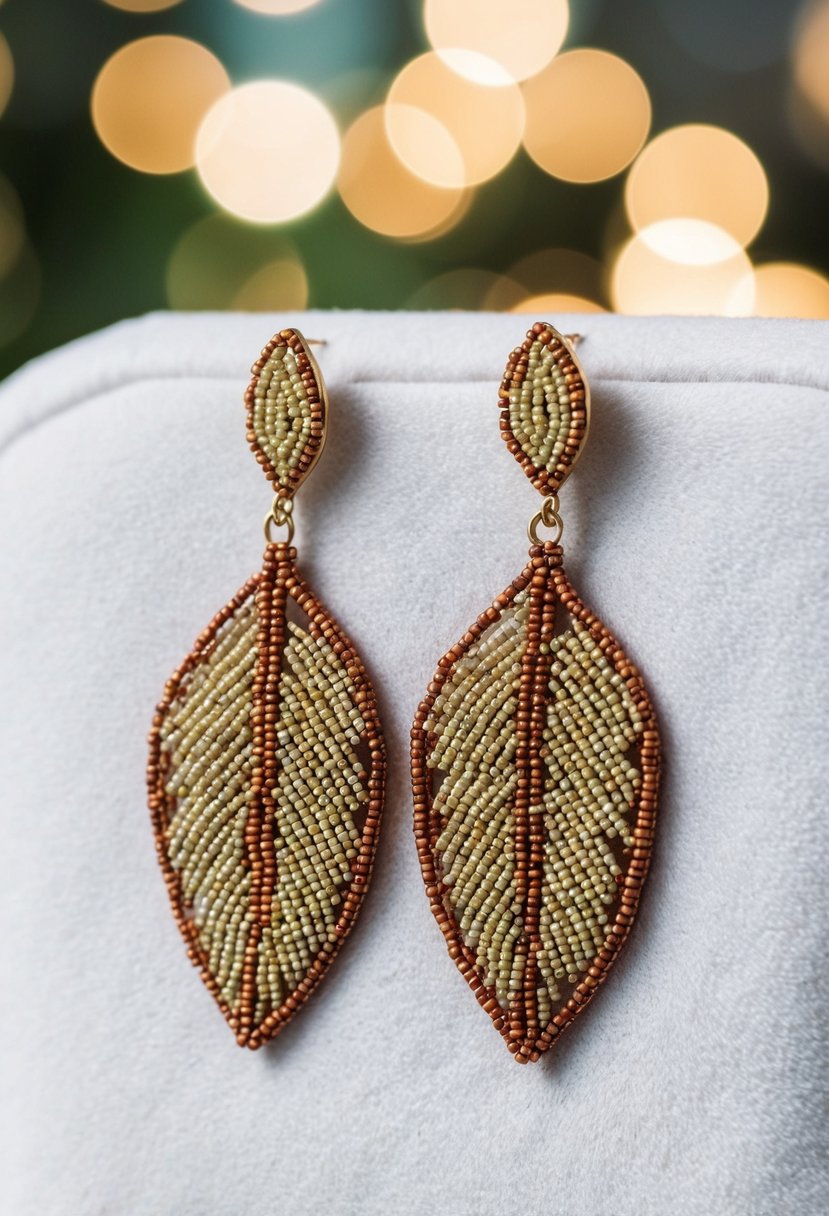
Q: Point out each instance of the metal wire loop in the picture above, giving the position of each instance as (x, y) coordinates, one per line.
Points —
(281, 515)
(550, 518)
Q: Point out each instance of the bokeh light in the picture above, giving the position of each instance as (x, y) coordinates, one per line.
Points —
(698, 172)
(383, 194)
(221, 263)
(482, 123)
(811, 57)
(683, 267)
(277, 8)
(6, 73)
(689, 242)
(556, 302)
(12, 230)
(470, 289)
(588, 114)
(560, 274)
(277, 286)
(522, 35)
(268, 151)
(787, 289)
(19, 294)
(150, 97)
(142, 6)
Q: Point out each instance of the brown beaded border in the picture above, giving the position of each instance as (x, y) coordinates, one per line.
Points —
(545, 480)
(277, 580)
(317, 398)
(548, 584)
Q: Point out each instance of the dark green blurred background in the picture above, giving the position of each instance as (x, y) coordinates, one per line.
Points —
(99, 235)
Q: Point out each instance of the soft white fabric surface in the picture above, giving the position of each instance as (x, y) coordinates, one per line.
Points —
(696, 527)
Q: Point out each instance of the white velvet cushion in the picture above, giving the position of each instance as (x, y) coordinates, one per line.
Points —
(695, 526)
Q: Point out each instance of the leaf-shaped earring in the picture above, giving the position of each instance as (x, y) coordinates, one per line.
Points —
(267, 764)
(535, 756)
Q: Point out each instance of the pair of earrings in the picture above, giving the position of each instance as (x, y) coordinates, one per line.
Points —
(535, 754)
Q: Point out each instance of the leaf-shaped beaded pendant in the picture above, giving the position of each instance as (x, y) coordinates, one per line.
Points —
(535, 756)
(267, 765)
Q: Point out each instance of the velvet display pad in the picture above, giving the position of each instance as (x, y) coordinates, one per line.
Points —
(695, 526)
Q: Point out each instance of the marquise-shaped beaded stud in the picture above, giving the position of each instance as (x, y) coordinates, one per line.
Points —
(535, 756)
(267, 764)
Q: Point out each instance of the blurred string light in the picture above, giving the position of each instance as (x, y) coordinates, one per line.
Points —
(19, 295)
(786, 289)
(19, 269)
(12, 232)
(810, 61)
(469, 131)
(555, 302)
(277, 8)
(588, 114)
(380, 192)
(278, 285)
(683, 266)
(150, 97)
(6, 73)
(562, 280)
(547, 281)
(469, 289)
(142, 6)
(220, 263)
(268, 151)
(521, 36)
(698, 172)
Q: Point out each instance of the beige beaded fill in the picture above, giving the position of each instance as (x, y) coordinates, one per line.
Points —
(319, 795)
(267, 762)
(587, 798)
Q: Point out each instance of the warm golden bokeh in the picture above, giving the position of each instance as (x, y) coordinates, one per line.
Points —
(556, 302)
(469, 289)
(522, 35)
(811, 57)
(19, 295)
(690, 242)
(220, 263)
(419, 139)
(6, 73)
(12, 230)
(683, 269)
(588, 114)
(787, 289)
(278, 286)
(483, 122)
(268, 151)
(698, 172)
(277, 8)
(149, 99)
(553, 273)
(383, 194)
(142, 6)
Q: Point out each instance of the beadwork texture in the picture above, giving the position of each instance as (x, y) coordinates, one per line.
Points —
(545, 407)
(267, 762)
(266, 781)
(286, 408)
(535, 757)
(535, 762)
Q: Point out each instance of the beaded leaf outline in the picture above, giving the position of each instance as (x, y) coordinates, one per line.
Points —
(267, 764)
(535, 759)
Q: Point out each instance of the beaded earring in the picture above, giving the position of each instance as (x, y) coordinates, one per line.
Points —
(535, 755)
(267, 761)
